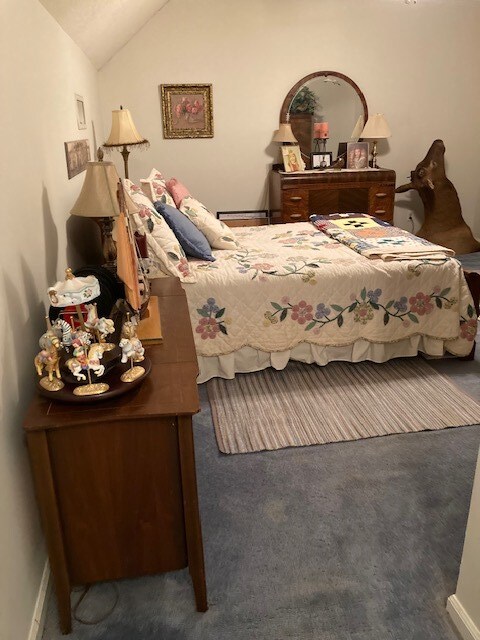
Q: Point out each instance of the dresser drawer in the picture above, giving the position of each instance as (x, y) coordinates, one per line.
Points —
(294, 205)
(381, 200)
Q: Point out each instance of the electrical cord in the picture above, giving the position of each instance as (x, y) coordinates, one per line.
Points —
(102, 617)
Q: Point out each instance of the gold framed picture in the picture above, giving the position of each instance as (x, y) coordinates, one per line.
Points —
(187, 110)
(292, 158)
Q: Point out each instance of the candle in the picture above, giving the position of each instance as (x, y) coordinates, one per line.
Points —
(320, 129)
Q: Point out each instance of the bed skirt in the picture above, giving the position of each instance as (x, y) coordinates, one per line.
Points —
(248, 359)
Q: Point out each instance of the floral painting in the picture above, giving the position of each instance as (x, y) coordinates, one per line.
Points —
(187, 110)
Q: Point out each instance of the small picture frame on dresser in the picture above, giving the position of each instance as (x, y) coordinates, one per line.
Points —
(292, 158)
(357, 155)
(321, 160)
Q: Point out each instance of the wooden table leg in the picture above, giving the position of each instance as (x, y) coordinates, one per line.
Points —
(192, 516)
(41, 467)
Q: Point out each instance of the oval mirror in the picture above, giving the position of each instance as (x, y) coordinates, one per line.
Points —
(324, 96)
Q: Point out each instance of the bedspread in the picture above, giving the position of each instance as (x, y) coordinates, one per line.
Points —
(291, 283)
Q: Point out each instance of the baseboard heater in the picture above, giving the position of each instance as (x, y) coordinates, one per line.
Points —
(260, 214)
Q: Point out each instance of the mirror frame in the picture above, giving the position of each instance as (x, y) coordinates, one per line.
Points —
(296, 87)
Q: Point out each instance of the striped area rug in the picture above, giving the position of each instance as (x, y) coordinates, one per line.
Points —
(307, 404)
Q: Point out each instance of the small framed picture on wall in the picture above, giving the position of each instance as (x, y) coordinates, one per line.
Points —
(321, 160)
(80, 111)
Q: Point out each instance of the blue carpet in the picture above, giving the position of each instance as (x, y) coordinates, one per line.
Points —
(349, 541)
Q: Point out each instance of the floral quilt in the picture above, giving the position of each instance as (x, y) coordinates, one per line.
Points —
(378, 240)
(291, 283)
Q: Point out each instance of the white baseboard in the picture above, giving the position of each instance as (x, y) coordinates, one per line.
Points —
(462, 621)
(39, 613)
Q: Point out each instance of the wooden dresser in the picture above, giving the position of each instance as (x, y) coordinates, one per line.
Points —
(294, 197)
(115, 480)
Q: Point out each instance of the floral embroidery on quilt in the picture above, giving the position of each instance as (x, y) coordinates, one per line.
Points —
(468, 326)
(254, 262)
(212, 321)
(364, 307)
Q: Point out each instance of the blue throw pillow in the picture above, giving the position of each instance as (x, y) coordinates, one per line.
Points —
(191, 239)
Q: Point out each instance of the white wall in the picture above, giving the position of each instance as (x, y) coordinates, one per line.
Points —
(464, 606)
(416, 63)
(41, 70)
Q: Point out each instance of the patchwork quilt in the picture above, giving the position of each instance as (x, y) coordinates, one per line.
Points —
(373, 238)
(292, 283)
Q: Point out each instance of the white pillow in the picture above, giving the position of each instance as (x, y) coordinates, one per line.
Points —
(217, 233)
(155, 189)
(164, 248)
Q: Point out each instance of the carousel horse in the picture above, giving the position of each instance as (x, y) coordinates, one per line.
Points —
(130, 345)
(83, 361)
(48, 357)
(103, 326)
(63, 331)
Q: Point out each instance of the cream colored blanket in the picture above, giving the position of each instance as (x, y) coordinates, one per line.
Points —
(291, 283)
(375, 239)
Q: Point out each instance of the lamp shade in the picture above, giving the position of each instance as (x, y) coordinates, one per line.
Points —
(358, 128)
(98, 197)
(376, 127)
(123, 132)
(284, 133)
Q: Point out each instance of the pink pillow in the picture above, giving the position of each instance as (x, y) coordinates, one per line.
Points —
(177, 190)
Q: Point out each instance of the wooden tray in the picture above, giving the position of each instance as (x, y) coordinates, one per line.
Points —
(111, 377)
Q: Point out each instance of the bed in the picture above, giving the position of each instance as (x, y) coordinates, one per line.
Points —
(344, 291)
(291, 292)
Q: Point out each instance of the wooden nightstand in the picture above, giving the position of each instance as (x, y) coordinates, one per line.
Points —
(296, 196)
(115, 480)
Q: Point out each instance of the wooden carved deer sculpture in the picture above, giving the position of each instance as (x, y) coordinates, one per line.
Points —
(443, 222)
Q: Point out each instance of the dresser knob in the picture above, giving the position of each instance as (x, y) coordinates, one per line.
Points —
(295, 215)
(380, 195)
(296, 198)
(380, 211)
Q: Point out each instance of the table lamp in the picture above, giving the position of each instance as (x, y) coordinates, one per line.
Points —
(98, 200)
(357, 129)
(284, 134)
(376, 129)
(124, 134)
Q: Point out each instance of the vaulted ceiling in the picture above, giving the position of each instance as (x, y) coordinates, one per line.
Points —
(102, 27)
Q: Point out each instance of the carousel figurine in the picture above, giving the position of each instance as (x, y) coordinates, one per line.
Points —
(131, 350)
(86, 357)
(102, 327)
(49, 359)
(74, 292)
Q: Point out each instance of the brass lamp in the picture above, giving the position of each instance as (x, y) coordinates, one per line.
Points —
(98, 199)
(124, 134)
(376, 129)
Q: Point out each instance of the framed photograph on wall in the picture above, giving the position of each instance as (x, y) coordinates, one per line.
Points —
(321, 159)
(357, 155)
(80, 111)
(187, 110)
(77, 153)
(292, 158)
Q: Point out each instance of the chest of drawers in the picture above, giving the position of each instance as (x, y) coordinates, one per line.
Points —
(294, 197)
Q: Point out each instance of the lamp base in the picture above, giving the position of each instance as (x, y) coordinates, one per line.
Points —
(374, 155)
(125, 153)
(109, 247)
